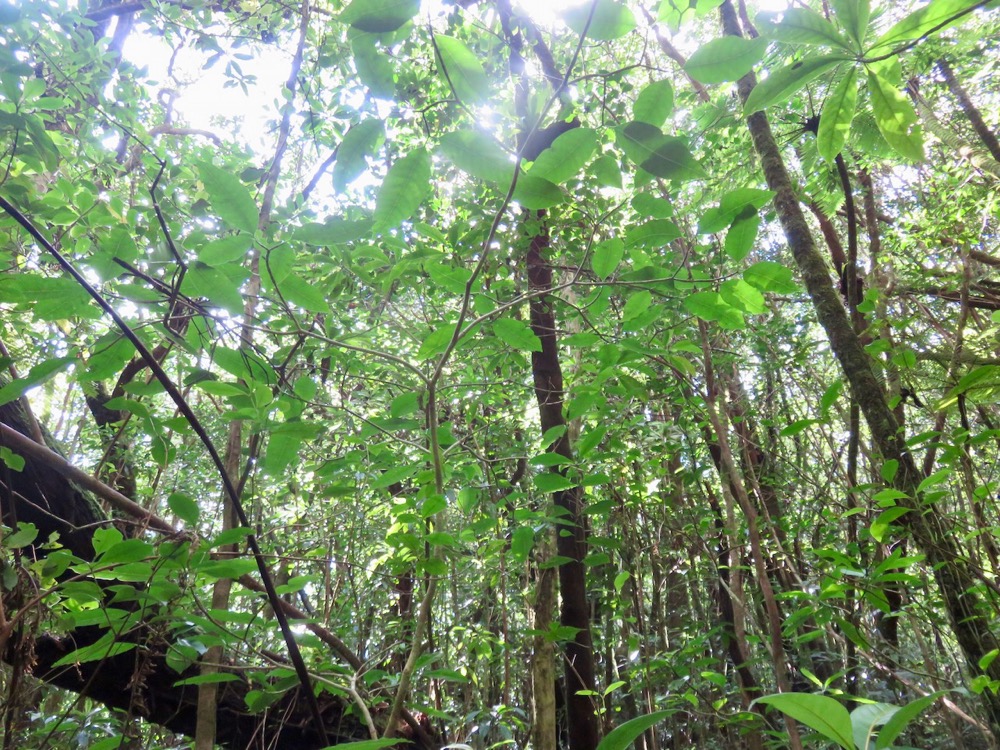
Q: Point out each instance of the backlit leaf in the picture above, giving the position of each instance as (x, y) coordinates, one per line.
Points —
(725, 59)
(610, 19)
(781, 84)
(229, 197)
(462, 69)
(896, 118)
(838, 112)
(379, 16)
(404, 189)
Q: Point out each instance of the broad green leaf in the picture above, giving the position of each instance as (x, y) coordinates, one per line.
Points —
(934, 16)
(404, 404)
(880, 526)
(553, 482)
(781, 84)
(820, 713)
(740, 294)
(478, 154)
(521, 542)
(449, 277)
(536, 193)
(838, 112)
(364, 744)
(606, 257)
(379, 16)
(208, 679)
(404, 189)
(652, 235)
(852, 15)
(741, 236)
(352, 157)
(334, 231)
(436, 342)
(610, 20)
(307, 295)
(607, 171)
(769, 276)
(650, 205)
(37, 375)
(125, 551)
(229, 197)
(654, 103)
(726, 59)
(462, 69)
(566, 156)
(26, 533)
(517, 335)
(105, 647)
(637, 304)
(806, 26)
(373, 66)
(225, 250)
(660, 155)
(622, 736)
(898, 721)
(866, 717)
(710, 306)
(735, 205)
(184, 507)
(896, 118)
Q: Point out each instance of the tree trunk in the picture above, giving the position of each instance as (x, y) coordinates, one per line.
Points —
(932, 532)
(571, 536)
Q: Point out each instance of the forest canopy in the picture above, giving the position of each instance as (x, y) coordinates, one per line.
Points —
(485, 373)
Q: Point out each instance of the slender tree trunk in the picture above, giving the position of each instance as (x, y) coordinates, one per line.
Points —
(932, 532)
(987, 136)
(571, 536)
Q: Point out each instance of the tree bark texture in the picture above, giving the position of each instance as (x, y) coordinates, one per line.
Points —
(571, 535)
(931, 530)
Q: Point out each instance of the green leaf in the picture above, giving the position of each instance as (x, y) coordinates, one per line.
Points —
(769, 276)
(889, 469)
(866, 717)
(637, 304)
(712, 307)
(37, 375)
(404, 404)
(364, 744)
(225, 250)
(521, 542)
(896, 118)
(535, 193)
(735, 205)
(660, 155)
(404, 189)
(852, 15)
(741, 236)
(726, 59)
(352, 156)
(436, 342)
(806, 26)
(781, 84)
(606, 257)
(898, 721)
(26, 533)
(105, 647)
(553, 482)
(334, 231)
(622, 736)
(933, 16)
(652, 235)
(820, 713)
(208, 679)
(379, 16)
(880, 526)
(462, 69)
(739, 293)
(11, 460)
(184, 507)
(517, 335)
(475, 152)
(610, 19)
(838, 112)
(566, 156)
(373, 66)
(607, 171)
(229, 197)
(654, 103)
